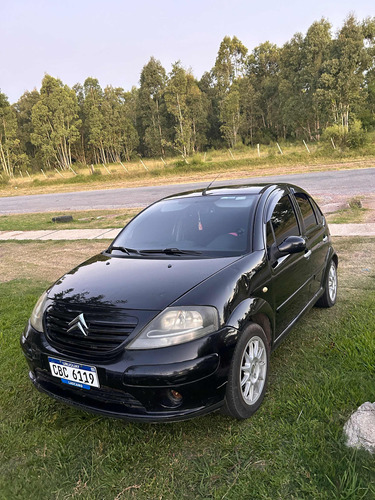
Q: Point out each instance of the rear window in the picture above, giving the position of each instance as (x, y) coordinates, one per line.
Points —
(307, 211)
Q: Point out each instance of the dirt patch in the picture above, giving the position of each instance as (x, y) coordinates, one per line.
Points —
(334, 203)
(356, 263)
(44, 260)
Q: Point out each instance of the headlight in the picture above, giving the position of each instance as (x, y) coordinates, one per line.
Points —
(36, 318)
(176, 325)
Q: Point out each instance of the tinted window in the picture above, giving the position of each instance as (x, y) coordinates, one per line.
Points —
(308, 214)
(318, 212)
(270, 240)
(284, 221)
(208, 224)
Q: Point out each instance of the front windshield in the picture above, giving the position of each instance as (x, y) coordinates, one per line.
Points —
(209, 225)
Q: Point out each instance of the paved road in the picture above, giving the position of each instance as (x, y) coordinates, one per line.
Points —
(322, 184)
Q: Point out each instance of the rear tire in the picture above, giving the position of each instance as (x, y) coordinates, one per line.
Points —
(248, 373)
(329, 297)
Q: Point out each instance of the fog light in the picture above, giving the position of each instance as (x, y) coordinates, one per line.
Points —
(176, 396)
(171, 399)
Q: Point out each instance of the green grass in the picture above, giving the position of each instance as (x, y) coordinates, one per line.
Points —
(98, 219)
(292, 448)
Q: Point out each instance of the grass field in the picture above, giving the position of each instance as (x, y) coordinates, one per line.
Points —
(205, 166)
(83, 219)
(292, 448)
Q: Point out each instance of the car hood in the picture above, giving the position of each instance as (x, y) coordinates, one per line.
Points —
(134, 283)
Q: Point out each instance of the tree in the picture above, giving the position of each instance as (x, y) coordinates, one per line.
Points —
(249, 99)
(23, 108)
(55, 122)
(120, 137)
(263, 69)
(343, 73)
(93, 120)
(11, 154)
(152, 107)
(230, 116)
(175, 98)
(230, 62)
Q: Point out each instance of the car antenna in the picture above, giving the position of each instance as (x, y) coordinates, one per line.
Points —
(204, 192)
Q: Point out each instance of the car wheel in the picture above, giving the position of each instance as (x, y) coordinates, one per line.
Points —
(248, 373)
(328, 299)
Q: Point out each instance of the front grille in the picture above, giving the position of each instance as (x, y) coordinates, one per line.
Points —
(107, 328)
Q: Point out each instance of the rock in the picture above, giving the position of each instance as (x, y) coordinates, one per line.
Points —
(62, 218)
(360, 428)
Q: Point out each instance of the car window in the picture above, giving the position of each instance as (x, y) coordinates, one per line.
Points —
(270, 239)
(318, 212)
(211, 225)
(308, 215)
(284, 220)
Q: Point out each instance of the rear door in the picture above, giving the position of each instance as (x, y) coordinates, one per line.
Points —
(316, 236)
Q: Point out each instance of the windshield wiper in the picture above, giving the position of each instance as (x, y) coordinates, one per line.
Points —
(126, 250)
(171, 251)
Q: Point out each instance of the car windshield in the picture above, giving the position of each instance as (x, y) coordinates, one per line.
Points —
(198, 226)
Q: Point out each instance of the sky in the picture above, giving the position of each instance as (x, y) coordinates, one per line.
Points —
(113, 39)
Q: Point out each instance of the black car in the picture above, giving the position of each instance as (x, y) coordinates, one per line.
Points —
(178, 316)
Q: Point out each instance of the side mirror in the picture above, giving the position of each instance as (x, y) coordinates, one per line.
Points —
(291, 244)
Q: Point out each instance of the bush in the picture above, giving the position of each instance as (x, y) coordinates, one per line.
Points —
(356, 136)
(353, 138)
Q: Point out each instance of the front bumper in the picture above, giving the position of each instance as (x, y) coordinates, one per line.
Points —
(141, 385)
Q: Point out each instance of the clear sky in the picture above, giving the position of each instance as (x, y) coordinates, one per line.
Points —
(113, 39)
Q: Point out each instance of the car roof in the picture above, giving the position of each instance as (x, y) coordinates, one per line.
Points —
(243, 189)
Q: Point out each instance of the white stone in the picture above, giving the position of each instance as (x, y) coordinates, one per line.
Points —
(360, 428)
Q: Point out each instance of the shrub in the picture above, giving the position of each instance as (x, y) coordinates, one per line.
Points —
(356, 135)
(353, 138)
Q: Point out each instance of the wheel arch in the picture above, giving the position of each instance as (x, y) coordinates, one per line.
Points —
(253, 310)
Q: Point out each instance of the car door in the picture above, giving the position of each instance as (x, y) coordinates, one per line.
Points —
(290, 273)
(316, 236)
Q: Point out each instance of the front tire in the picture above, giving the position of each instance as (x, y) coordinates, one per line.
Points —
(248, 373)
(329, 297)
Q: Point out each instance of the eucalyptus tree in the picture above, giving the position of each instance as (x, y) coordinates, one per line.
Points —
(316, 49)
(263, 69)
(197, 111)
(93, 120)
(175, 97)
(303, 107)
(249, 99)
(120, 137)
(152, 109)
(230, 116)
(23, 108)
(209, 89)
(55, 122)
(11, 154)
(341, 82)
(230, 62)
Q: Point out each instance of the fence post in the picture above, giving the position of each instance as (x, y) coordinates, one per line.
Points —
(306, 145)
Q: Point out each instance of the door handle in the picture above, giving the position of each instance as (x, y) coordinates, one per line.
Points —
(307, 254)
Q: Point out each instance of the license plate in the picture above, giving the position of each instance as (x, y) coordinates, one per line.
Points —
(82, 376)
